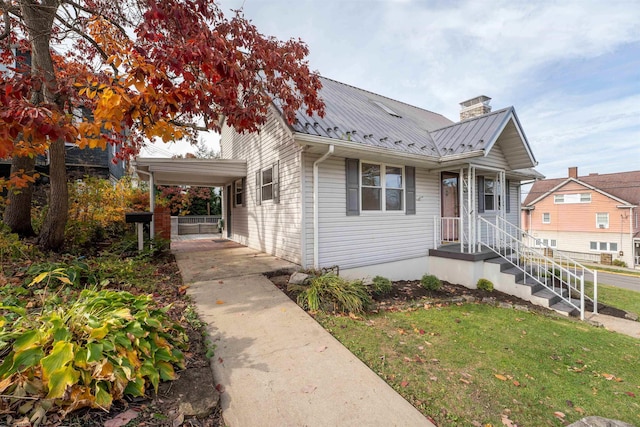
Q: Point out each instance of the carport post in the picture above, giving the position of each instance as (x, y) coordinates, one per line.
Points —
(152, 202)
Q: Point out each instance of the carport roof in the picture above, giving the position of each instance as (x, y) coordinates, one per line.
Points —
(194, 172)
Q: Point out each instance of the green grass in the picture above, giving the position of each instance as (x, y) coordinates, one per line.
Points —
(628, 272)
(624, 299)
(478, 363)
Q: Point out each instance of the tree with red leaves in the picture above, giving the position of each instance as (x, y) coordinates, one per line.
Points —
(143, 70)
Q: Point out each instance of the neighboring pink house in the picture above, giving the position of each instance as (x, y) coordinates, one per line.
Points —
(587, 216)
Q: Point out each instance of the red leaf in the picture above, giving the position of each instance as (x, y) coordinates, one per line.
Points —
(404, 383)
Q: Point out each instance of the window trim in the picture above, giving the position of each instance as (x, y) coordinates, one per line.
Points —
(495, 194)
(263, 186)
(607, 246)
(239, 190)
(383, 188)
(548, 217)
(599, 223)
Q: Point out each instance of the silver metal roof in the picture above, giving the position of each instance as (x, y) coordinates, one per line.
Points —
(359, 116)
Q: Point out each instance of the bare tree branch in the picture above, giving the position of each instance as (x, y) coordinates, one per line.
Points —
(6, 10)
(96, 12)
(189, 125)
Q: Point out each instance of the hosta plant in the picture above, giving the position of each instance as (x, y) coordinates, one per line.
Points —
(101, 347)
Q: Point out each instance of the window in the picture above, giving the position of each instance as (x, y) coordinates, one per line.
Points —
(572, 198)
(546, 218)
(490, 191)
(547, 243)
(603, 246)
(382, 187)
(602, 220)
(238, 192)
(267, 184)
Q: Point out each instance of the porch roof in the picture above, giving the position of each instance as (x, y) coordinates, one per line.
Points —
(194, 172)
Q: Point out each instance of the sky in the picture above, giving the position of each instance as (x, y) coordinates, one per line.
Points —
(571, 69)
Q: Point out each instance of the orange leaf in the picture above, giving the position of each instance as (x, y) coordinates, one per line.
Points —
(500, 377)
(404, 383)
(219, 302)
(516, 383)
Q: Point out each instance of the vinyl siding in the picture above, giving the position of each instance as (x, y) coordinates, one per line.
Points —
(494, 159)
(269, 227)
(371, 237)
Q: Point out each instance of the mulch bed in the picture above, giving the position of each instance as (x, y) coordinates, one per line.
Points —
(406, 292)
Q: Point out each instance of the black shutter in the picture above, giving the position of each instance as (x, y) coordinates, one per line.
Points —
(480, 194)
(410, 176)
(508, 196)
(258, 188)
(352, 170)
(244, 191)
(276, 182)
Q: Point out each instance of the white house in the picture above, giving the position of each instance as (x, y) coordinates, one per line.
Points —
(380, 187)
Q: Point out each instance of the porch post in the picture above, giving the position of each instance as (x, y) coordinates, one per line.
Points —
(471, 204)
(461, 209)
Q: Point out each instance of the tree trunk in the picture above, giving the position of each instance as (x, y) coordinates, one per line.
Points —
(52, 234)
(38, 18)
(17, 214)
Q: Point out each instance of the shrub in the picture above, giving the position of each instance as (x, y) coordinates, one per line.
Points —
(333, 293)
(430, 282)
(101, 347)
(485, 285)
(14, 249)
(380, 286)
(619, 263)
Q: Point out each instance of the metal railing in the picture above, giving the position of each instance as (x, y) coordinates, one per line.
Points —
(559, 274)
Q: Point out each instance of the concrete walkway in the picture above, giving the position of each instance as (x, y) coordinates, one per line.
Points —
(615, 324)
(277, 365)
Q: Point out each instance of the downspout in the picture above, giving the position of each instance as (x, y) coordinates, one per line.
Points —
(315, 202)
(152, 202)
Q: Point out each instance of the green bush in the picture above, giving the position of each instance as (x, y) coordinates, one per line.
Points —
(332, 293)
(430, 282)
(380, 286)
(97, 349)
(14, 249)
(619, 263)
(485, 285)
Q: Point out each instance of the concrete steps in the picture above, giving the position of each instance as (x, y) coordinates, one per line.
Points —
(533, 291)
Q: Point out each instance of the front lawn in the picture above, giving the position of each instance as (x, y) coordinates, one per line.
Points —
(614, 296)
(477, 364)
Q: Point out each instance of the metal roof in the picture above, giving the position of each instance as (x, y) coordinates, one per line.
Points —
(358, 116)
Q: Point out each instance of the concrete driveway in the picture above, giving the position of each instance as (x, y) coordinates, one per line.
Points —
(276, 365)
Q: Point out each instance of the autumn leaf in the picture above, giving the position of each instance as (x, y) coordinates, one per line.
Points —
(516, 383)
(559, 415)
(219, 302)
(630, 393)
(500, 377)
(404, 383)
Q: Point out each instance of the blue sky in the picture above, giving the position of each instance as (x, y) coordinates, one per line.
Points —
(571, 68)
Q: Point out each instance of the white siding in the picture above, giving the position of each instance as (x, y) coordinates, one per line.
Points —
(371, 237)
(513, 216)
(494, 159)
(269, 227)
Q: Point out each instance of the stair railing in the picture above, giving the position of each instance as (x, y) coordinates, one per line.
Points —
(562, 276)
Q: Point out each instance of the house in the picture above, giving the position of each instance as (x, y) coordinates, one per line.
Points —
(380, 187)
(593, 217)
(376, 183)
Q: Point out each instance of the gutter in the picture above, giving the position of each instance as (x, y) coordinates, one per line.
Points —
(315, 203)
(152, 201)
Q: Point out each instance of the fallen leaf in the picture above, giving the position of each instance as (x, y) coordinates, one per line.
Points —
(219, 302)
(463, 381)
(569, 403)
(182, 289)
(220, 388)
(220, 360)
(433, 378)
(407, 359)
(178, 420)
(579, 410)
(507, 422)
(309, 388)
(516, 383)
(421, 331)
(220, 282)
(608, 377)
(500, 377)
(401, 331)
(121, 419)
(630, 393)
(404, 383)
(559, 415)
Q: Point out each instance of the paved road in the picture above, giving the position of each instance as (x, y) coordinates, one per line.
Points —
(620, 280)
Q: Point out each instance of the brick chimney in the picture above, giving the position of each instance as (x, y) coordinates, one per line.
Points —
(475, 107)
(573, 172)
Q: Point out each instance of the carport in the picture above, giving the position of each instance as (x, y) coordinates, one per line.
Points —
(191, 172)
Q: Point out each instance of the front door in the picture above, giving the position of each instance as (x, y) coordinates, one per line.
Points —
(450, 206)
(228, 200)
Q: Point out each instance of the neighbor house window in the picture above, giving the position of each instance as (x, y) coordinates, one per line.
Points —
(603, 246)
(267, 184)
(238, 192)
(546, 218)
(547, 243)
(382, 187)
(585, 198)
(558, 198)
(602, 220)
